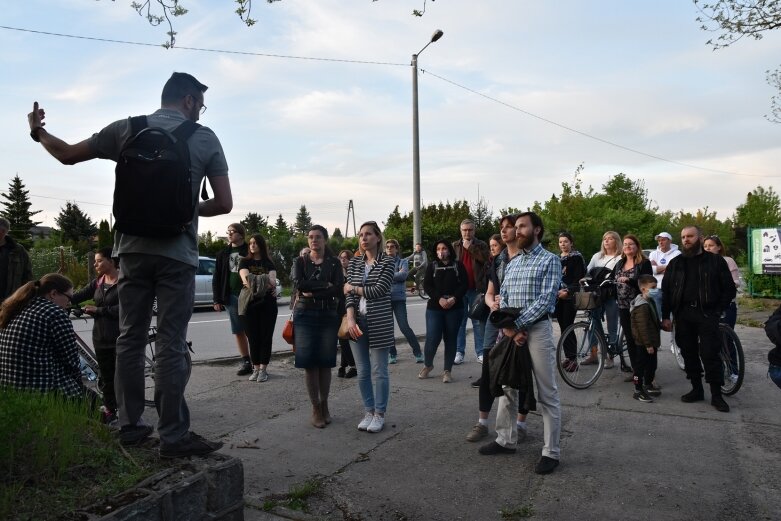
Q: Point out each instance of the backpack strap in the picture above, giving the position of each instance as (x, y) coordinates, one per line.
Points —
(137, 124)
(182, 133)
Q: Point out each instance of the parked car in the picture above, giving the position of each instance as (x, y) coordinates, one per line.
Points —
(203, 284)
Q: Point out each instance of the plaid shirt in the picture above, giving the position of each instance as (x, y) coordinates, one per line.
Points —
(531, 282)
(38, 351)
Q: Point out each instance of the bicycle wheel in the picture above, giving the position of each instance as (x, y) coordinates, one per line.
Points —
(90, 372)
(574, 368)
(622, 350)
(732, 360)
(421, 291)
(677, 351)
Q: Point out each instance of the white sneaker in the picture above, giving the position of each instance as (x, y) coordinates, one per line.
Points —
(459, 359)
(480, 359)
(263, 376)
(367, 420)
(378, 422)
(254, 376)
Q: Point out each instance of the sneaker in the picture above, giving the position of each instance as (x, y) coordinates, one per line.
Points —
(546, 465)
(609, 363)
(367, 420)
(479, 359)
(492, 448)
(459, 359)
(719, 403)
(423, 374)
(419, 359)
(391, 359)
(446, 378)
(377, 424)
(523, 431)
(695, 395)
(254, 376)
(478, 432)
(351, 373)
(245, 368)
(653, 390)
(590, 360)
(642, 396)
(132, 435)
(194, 445)
(263, 376)
(341, 372)
(475, 384)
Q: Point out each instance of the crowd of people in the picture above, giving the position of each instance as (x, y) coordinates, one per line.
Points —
(358, 295)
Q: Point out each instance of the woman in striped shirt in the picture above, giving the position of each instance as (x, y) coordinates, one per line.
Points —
(370, 321)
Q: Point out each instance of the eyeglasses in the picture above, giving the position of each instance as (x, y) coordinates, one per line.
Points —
(231, 232)
(203, 108)
(203, 105)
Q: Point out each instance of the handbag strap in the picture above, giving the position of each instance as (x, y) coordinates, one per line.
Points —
(293, 307)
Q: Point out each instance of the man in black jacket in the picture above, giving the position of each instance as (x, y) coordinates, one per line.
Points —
(226, 286)
(697, 288)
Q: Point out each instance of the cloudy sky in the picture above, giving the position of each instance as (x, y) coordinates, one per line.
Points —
(499, 94)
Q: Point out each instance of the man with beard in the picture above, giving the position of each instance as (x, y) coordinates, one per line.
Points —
(697, 288)
(531, 282)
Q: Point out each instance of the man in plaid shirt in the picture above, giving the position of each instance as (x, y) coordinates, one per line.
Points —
(531, 282)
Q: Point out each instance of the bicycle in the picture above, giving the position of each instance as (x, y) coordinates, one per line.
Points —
(733, 362)
(90, 371)
(418, 275)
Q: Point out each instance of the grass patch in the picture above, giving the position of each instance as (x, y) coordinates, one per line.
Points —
(758, 304)
(522, 512)
(55, 457)
(296, 498)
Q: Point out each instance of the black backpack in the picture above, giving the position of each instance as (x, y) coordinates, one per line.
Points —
(153, 185)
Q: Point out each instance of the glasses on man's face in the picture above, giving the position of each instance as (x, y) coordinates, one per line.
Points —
(203, 105)
(203, 108)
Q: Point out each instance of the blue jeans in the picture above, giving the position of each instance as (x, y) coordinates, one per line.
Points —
(609, 308)
(490, 335)
(400, 312)
(371, 363)
(477, 327)
(441, 324)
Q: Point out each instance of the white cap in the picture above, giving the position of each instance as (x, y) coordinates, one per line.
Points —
(665, 235)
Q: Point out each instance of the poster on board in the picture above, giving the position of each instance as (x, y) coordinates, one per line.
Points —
(766, 251)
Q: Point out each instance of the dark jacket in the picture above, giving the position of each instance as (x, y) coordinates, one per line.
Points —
(20, 269)
(645, 323)
(221, 288)
(716, 288)
(480, 254)
(773, 331)
(511, 365)
(377, 292)
(106, 328)
(444, 280)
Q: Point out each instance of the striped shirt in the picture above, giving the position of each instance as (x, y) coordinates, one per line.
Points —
(376, 286)
(531, 282)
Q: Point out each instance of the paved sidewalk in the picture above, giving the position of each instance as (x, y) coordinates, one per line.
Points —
(621, 459)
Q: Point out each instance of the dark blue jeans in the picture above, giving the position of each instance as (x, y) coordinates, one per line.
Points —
(442, 324)
(400, 312)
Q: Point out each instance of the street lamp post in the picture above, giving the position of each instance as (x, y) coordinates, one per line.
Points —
(416, 228)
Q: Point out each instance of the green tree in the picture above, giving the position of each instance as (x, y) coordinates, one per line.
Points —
(303, 221)
(74, 224)
(16, 208)
(105, 237)
(254, 223)
(761, 209)
(736, 19)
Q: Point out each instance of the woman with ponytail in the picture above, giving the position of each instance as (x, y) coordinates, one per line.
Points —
(38, 348)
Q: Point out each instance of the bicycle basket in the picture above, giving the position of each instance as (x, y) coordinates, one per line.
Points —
(586, 300)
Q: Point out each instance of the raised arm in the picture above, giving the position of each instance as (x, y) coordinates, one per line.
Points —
(63, 152)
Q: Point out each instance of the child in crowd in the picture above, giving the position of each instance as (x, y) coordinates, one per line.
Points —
(645, 331)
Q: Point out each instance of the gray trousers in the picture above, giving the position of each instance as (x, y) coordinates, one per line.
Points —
(142, 276)
(543, 354)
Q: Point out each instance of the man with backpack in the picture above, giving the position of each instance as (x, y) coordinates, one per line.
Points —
(162, 160)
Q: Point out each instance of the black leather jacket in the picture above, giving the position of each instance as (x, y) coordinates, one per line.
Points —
(716, 287)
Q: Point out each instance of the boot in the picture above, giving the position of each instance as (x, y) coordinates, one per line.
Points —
(317, 417)
(717, 400)
(697, 394)
(324, 411)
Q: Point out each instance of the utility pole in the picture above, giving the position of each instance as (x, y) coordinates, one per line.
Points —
(350, 210)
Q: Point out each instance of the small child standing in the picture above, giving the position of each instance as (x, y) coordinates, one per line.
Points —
(645, 331)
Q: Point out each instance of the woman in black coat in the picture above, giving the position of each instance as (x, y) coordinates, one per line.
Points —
(573, 268)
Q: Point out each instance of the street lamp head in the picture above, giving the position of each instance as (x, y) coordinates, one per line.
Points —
(437, 35)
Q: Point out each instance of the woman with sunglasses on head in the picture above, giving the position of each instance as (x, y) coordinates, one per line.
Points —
(38, 350)
(370, 321)
(319, 282)
(260, 316)
(713, 244)
(105, 330)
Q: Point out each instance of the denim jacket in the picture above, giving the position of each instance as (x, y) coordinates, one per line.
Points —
(400, 273)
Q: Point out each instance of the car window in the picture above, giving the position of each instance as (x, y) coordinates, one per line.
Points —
(206, 266)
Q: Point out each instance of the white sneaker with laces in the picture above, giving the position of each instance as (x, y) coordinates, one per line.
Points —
(254, 376)
(263, 376)
(378, 422)
(459, 359)
(367, 420)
